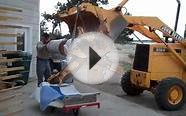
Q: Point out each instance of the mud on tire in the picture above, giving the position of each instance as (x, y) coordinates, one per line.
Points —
(128, 87)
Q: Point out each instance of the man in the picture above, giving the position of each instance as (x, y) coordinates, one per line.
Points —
(55, 48)
(63, 76)
(43, 66)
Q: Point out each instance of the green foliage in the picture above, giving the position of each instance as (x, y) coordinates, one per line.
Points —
(71, 3)
(127, 66)
(43, 27)
(46, 16)
(124, 38)
(54, 36)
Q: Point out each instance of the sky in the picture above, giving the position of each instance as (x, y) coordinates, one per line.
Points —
(164, 9)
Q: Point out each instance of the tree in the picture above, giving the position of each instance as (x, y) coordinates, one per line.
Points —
(71, 3)
(49, 18)
(43, 27)
(124, 38)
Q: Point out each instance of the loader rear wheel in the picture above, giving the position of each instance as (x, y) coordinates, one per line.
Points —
(128, 87)
(170, 94)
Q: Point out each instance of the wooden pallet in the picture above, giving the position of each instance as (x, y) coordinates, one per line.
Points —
(8, 52)
(11, 104)
(3, 73)
(4, 60)
(3, 11)
(3, 78)
(12, 69)
(8, 43)
(7, 97)
(5, 18)
(8, 35)
(10, 9)
(3, 66)
(9, 26)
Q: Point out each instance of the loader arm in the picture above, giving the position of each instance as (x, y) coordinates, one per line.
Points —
(148, 25)
(123, 3)
(153, 24)
(144, 31)
(120, 5)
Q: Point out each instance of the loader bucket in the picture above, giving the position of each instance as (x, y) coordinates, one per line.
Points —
(116, 26)
(92, 18)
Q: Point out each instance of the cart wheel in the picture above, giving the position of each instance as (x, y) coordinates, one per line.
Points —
(51, 109)
(75, 112)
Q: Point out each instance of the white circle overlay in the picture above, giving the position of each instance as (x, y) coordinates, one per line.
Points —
(78, 53)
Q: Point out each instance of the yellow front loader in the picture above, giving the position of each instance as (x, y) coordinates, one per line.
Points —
(159, 68)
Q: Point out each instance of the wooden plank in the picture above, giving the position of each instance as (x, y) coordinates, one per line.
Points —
(2, 57)
(11, 92)
(4, 60)
(10, 26)
(12, 69)
(4, 18)
(3, 66)
(10, 77)
(3, 73)
(8, 35)
(12, 88)
(8, 43)
(11, 9)
(8, 52)
(3, 11)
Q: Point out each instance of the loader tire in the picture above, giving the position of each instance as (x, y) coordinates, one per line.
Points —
(128, 87)
(170, 94)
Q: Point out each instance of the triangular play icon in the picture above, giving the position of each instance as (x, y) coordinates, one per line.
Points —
(93, 58)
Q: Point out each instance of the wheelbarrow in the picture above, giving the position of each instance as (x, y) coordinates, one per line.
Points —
(73, 100)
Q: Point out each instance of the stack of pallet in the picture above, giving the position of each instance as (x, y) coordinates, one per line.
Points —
(10, 100)
(8, 71)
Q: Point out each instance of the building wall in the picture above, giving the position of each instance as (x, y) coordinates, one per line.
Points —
(29, 21)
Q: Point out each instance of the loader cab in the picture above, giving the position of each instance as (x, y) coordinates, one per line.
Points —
(154, 62)
(156, 69)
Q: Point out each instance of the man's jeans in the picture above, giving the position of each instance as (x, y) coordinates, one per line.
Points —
(42, 70)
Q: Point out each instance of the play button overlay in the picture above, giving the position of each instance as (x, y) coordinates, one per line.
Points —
(93, 58)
